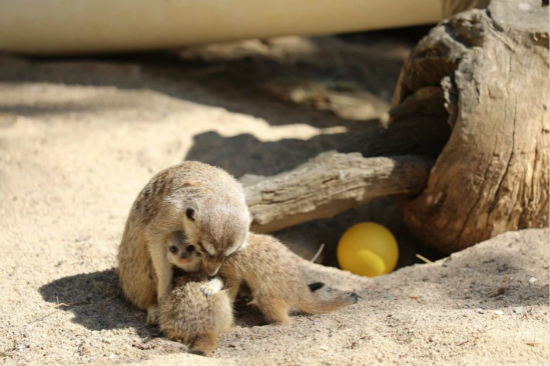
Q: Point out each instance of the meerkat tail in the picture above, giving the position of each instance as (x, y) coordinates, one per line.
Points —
(204, 344)
(312, 305)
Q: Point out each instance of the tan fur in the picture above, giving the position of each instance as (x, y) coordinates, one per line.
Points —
(272, 273)
(220, 222)
(191, 316)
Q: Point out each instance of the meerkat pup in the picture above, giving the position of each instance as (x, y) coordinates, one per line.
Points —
(197, 309)
(203, 203)
(276, 281)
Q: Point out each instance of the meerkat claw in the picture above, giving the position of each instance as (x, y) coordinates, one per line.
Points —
(206, 291)
(152, 315)
(214, 286)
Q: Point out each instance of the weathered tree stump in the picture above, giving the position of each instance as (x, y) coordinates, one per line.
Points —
(474, 95)
(491, 67)
(328, 185)
(451, 7)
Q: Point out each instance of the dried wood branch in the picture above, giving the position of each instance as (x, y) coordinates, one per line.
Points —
(330, 184)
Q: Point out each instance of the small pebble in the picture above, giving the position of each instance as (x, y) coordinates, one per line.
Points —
(532, 280)
(498, 312)
(480, 311)
(518, 310)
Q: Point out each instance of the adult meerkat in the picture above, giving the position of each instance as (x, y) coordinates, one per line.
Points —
(197, 309)
(276, 282)
(204, 203)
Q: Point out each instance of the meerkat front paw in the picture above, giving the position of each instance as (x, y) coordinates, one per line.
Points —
(152, 315)
(212, 287)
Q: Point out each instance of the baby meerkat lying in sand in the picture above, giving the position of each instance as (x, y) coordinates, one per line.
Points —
(276, 282)
(197, 309)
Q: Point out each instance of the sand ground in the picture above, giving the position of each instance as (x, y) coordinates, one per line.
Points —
(80, 137)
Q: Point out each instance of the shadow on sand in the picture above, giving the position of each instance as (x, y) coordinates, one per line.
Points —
(97, 303)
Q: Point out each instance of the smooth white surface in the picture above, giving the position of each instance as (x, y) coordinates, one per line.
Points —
(83, 26)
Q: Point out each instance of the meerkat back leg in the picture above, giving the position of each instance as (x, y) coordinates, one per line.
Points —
(204, 344)
(274, 310)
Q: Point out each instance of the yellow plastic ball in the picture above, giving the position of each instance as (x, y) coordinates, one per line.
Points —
(368, 249)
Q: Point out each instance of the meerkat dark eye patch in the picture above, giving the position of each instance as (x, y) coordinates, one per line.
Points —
(190, 248)
(178, 237)
(173, 249)
(190, 213)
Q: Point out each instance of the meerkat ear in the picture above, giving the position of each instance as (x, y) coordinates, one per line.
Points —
(190, 213)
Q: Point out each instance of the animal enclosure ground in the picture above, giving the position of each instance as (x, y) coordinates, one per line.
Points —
(79, 138)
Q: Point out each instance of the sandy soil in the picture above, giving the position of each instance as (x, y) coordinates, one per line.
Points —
(80, 138)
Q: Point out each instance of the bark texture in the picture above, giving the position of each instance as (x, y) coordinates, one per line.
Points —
(330, 184)
(451, 7)
(491, 67)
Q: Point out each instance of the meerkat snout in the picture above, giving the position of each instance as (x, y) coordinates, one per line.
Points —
(189, 252)
(180, 257)
(217, 226)
(181, 254)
